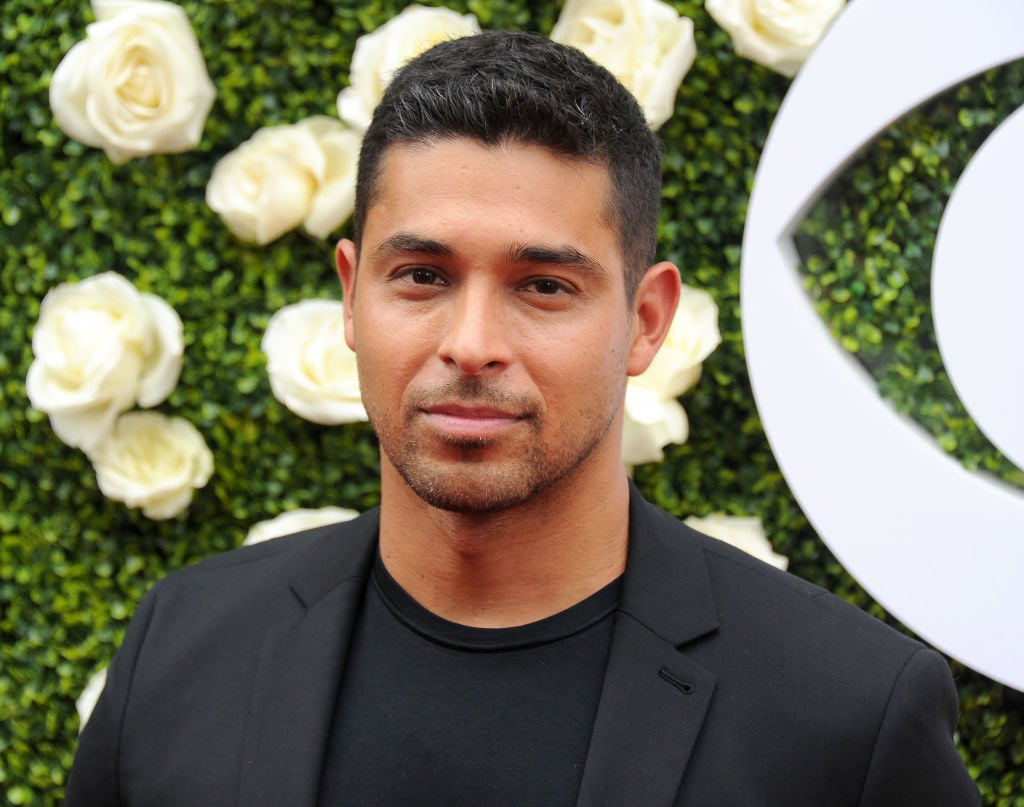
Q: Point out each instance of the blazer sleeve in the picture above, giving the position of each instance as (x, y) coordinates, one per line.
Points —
(915, 762)
(94, 778)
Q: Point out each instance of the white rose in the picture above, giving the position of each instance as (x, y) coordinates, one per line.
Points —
(691, 338)
(152, 461)
(101, 347)
(296, 521)
(378, 55)
(743, 532)
(284, 176)
(312, 370)
(137, 84)
(86, 701)
(645, 44)
(653, 416)
(651, 423)
(780, 34)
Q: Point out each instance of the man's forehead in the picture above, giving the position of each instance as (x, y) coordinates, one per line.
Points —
(400, 164)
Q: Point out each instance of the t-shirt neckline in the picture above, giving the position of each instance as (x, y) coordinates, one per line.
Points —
(572, 620)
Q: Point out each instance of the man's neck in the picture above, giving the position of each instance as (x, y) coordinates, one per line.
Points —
(511, 567)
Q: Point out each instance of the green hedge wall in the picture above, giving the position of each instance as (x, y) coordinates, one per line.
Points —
(867, 248)
(73, 565)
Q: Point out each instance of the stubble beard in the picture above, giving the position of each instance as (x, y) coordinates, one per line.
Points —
(468, 481)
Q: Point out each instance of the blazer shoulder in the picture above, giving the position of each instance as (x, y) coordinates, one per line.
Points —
(804, 681)
(312, 560)
(774, 591)
(755, 600)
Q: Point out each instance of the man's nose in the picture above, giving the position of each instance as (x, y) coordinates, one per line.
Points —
(475, 339)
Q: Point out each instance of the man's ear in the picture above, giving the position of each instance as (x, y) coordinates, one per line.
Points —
(654, 307)
(345, 256)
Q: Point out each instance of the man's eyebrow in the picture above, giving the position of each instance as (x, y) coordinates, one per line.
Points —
(406, 243)
(403, 243)
(563, 255)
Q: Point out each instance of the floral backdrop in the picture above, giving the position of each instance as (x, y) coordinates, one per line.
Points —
(173, 378)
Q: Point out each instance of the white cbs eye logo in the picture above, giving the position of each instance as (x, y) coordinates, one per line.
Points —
(940, 547)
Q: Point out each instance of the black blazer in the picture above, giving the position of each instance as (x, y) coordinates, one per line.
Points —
(728, 683)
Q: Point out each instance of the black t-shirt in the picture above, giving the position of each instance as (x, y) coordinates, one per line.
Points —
(430, 712)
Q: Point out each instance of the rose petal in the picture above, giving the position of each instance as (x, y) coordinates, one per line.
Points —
(152, 461)
(779, 34)
(379, 54)
(263, 188)
(644, 43)
(311, 368)
(163, 365)
(334, 199)
(68, 94)
(90, 694)
(101, 347)
(692, 337)
(743, 532)
(650, 423)
(296, 520)
(137, 84)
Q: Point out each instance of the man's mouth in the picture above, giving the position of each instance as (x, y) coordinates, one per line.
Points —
(460, 421)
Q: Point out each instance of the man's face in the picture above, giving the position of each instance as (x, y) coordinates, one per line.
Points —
(489, 320)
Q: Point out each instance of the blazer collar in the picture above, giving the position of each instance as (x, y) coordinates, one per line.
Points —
(654, 698)
(300, 665)
(667, 587)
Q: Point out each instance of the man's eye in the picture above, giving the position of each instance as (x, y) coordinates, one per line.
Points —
(546, 286)
(423, 277)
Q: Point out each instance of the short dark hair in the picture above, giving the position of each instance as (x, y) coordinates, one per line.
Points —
(503, 87)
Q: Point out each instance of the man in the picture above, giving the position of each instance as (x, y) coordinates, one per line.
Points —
(514, 625)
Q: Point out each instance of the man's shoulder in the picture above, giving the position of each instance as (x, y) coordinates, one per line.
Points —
(330, 553)
(755, 599)
(804, 678)
(772, 594)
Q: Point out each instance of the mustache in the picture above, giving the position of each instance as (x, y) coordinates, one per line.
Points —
(473, 392)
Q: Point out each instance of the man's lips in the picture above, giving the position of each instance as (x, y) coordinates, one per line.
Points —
(467, 420)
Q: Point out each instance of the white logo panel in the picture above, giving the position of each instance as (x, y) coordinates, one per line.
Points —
(941, 548)
(978, 288)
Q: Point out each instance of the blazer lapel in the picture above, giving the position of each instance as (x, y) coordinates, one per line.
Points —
(303, 655)
(654, 699)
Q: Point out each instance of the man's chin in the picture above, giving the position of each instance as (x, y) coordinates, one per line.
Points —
(468, 499)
